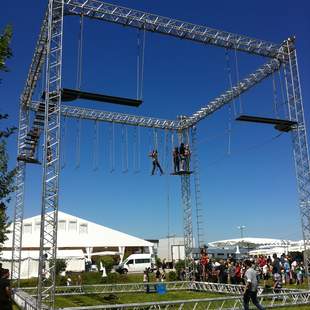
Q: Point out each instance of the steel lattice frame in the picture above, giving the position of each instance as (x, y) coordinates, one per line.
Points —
(198, 202)
(51, 158)
(187, 225)
(49, 48)
(300, 145)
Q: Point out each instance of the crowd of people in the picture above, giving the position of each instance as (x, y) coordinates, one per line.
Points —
(280, 270)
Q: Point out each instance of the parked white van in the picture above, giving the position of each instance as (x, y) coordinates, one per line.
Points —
(136, 263)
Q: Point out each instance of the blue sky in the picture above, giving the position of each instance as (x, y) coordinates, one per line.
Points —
(254, 185)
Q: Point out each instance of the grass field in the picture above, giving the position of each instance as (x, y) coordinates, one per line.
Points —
(126, 298)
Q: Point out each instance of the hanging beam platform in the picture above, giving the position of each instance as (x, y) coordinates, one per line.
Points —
(73, 94)
(280, 124)
(182, 173)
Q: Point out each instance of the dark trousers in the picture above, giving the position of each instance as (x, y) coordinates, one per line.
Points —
(176, 162)
(156, 164)
(253, 296)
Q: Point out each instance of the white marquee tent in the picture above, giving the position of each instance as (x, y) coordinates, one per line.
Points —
(77, 240)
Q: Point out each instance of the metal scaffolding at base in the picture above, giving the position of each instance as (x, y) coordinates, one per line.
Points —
(47, 121)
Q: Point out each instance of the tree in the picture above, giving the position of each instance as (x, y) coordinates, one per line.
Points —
(6, 175)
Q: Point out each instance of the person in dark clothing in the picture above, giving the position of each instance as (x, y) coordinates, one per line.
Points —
(182, 156)
(154, 156)
(5, 291)
(176, 160)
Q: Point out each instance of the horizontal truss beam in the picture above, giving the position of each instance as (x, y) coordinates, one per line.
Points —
(231, 94)
(173, 27)
(113, 117)
(151, 122)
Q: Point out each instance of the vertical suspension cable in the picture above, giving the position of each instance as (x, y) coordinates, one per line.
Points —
(96, 146)
(155, 139)
(229, 130)
(78, 144)
(80, 54)
(136, 149)
(142, 64)
(138, 63)
(275, 96)
(125, 149)
(230, 84)
(112, 147)
(238, 79)
(283, 93)
(64, 139)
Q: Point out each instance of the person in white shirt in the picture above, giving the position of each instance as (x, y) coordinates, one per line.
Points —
(250, 291)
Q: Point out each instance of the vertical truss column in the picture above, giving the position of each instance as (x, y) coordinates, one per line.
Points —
(187, 225)
(300, 145)
(20, 196)
(199, 210)
(51, 159)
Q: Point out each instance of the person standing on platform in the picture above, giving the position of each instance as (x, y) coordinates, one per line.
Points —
(5, 291)
(187, 155)
(176, 160)
(182, 156)
(250, 291)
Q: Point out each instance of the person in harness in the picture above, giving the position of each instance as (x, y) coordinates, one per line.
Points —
(154, 156)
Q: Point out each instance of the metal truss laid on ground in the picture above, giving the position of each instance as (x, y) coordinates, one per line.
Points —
(210, 287)
(48, 52)
(280, 299)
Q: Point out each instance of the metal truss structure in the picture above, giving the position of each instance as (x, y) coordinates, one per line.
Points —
(300, 145)
(210, 287)
(187, 226)
(198, 203)
(234, 300)
(49, 51)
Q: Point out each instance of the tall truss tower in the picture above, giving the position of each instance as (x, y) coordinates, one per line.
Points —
(48, 52)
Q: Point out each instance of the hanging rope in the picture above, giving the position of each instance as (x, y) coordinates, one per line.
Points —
(155, 139)
(136, 151)
(96, 146)
(78, 144)
(64, 139)
(275, 96)
(140, 62)
(230, 84)
(112, 147)
(238, 79)
(283, 94)
(229, 130)
(125, 149)
(80, 54)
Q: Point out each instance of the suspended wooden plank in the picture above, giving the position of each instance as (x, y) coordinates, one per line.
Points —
(73, 94)
(280, 124)
(181, 173)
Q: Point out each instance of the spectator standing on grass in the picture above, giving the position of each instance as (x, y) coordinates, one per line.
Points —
(157, 275)
(250, 291)
(5, 291)
(277, 282)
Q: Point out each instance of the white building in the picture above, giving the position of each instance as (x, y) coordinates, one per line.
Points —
(77, 240)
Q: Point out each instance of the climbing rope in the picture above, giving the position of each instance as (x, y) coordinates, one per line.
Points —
(230, 84)
(125, 149)
(80, 54)
(96, 146)
(238, 80)
(112, 147)
(78, 143)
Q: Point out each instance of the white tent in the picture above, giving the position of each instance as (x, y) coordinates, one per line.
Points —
(77, 238)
